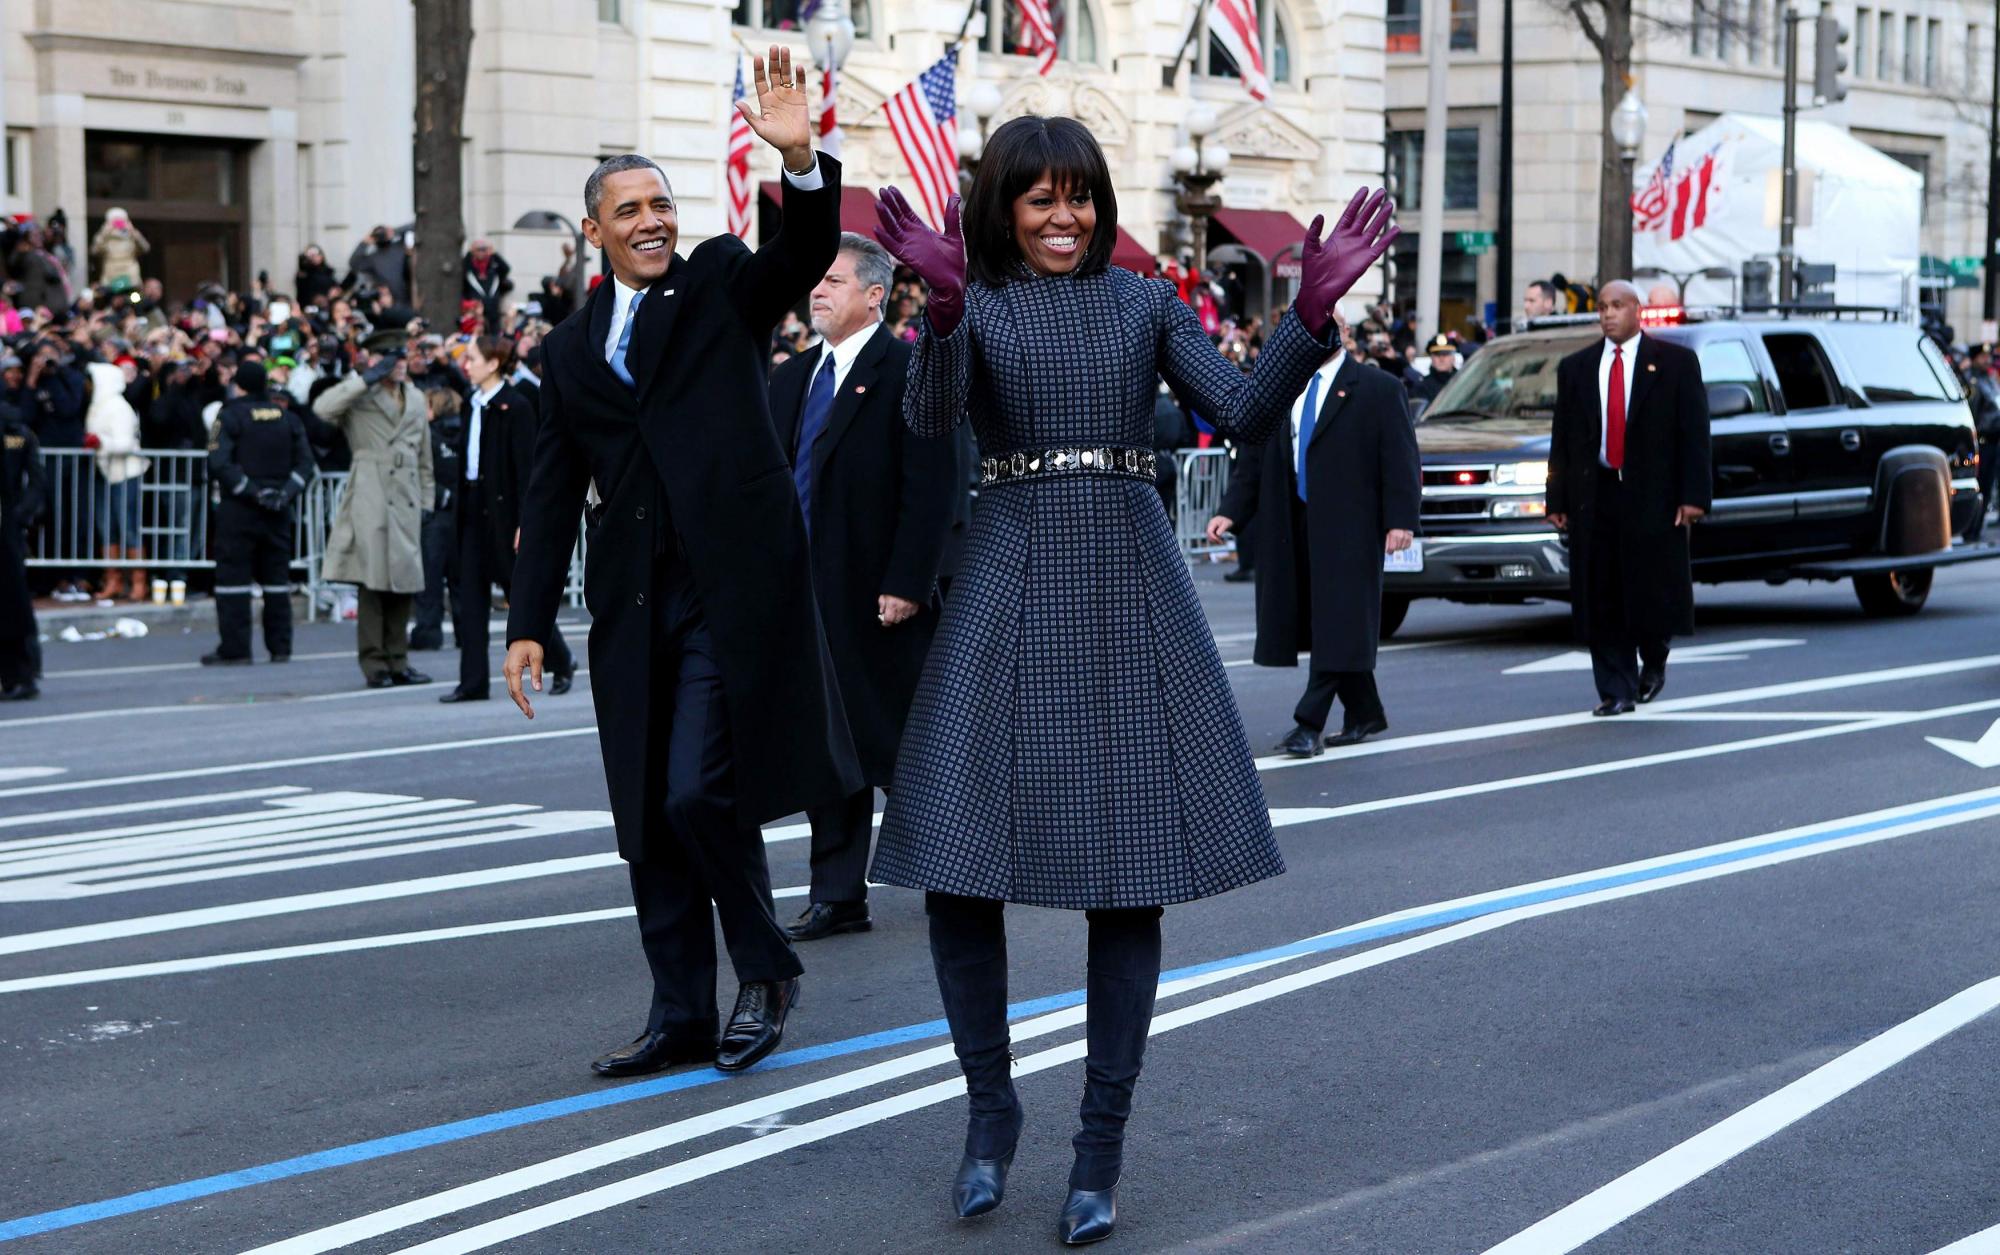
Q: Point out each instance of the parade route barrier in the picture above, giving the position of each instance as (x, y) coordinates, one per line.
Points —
(1204, 477)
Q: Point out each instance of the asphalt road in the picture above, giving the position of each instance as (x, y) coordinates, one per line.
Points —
(290, 964)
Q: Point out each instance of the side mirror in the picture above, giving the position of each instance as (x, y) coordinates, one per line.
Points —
(1417, 407)
(1727, 400)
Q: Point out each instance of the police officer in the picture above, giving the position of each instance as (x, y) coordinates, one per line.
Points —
(260, 460)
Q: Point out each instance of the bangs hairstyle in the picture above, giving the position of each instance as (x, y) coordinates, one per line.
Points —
(1017, 155)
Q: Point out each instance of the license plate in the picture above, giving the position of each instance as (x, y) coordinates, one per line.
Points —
(1411, 559)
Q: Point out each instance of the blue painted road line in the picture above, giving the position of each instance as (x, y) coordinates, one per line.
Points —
(461, 1130)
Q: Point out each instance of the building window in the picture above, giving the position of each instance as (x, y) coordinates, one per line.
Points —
(607, 11)
(1075, 40)
(1912, 48)
(1465, 25)
(1461, 168)
(1406, 26)
(783, 15)
(1753, 33)
(1277, 45)
(1885, 54)
(1778, 33)
(1933, 32)
(13, 165)
(1921, 163)
(1698, 31)
(1725, 29)
(1864, 39)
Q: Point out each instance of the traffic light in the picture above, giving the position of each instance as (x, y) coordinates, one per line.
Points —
(1828, 60)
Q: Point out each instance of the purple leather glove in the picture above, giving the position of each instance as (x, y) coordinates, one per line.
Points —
(937, 257)
(1329, 269)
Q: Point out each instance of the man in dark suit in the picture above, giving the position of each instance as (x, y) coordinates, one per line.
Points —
(716, 705)
(877, 501)
(1628, 476)
(1335, 511)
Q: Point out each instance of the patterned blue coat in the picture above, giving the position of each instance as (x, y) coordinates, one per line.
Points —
(1073, 742)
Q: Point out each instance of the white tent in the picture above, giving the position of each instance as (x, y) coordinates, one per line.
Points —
(1718, 206)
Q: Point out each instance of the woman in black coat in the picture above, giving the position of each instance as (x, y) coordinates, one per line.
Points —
(1119, 779)
(315, 278)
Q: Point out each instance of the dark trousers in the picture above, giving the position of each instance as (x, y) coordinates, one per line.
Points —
(253, 550)
(382, 631)
(841, 832)
(969, 951)
(1360, 701)
(1616, 650)
(702, 861)
(439, 537)
(473, 574)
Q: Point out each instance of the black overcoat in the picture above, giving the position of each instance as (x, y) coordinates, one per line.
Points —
(691, 461)
(882, 500)
(1363, 479)
(1666, 467)
(506, 462)
(23, 498)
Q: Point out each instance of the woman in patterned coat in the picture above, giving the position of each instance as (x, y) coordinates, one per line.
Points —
(1073, 742)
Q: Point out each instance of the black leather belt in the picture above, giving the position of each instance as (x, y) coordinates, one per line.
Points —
(1126, 460)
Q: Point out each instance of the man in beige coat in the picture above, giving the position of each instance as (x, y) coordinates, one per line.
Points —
(376, 538)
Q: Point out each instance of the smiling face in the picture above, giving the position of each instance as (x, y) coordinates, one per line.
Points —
(635, 225)
(1053, 225)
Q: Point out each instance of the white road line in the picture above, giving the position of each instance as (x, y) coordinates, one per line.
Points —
(151, 804)
(148, 843)
(30, 773)
(1399, 647)
(242, 702)
(152, 667)
(1611, 1205)
(1980, 804)
(1984, 1242)
(1758, 716)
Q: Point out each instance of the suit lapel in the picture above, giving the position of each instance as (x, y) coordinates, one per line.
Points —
(1591, 366)
(655, 325)
(1336, 396)
(847, 402)
(1643, 370)
(599, 310)
(789, 407)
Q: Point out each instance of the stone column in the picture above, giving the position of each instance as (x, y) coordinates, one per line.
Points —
(59, 172)
(274, 208)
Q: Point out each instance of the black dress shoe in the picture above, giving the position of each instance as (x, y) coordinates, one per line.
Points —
(408, 675)
(1088, 1216)
(1650, 684)
(758, 1023)
(1302, 743)
(1613, 706)
(1358, 733)
(980, 1184)
(1239, 576)
(653, 1052)
(281, 657)
(220, 659)
(425, 644)
(824, 919)
(460, 695)
(381, 681)
(561, 684)
(20, 693)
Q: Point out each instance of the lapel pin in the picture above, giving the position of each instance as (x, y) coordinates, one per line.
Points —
(860, 388)
(1650, 368)
(1342, 394)
(668, 292)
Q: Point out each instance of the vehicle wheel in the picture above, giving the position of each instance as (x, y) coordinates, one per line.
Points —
(1893, 593)
(1394, 610)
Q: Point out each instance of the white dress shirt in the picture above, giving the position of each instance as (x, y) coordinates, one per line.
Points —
(1325, 376)
(842, 356)
(479, 401)
(1631, 348)
(621, 308)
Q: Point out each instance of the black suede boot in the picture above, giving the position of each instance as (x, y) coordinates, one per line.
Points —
(1124, 979)
(969, 950)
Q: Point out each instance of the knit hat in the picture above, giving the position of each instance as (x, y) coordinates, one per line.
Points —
(250, 378)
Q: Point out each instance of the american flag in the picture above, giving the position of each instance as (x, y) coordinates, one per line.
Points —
(1651, 204)
(739, 162)
(924, 119)
(829, 125)
(1233, 23)
(1039, 27)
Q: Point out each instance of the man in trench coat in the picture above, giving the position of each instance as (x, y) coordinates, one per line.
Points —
(878, 502)
(716, 703)
(1326, 520)
(1629, 475)
(377, 536)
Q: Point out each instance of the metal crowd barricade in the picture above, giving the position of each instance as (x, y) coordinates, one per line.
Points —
(1204, 477)
(87, 514)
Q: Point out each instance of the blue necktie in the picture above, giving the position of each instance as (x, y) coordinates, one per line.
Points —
(625, 341)
(812, 422)
(1307, 421)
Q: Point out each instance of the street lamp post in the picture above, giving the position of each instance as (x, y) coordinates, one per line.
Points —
(983, 102)
(1198, 166)
(830, 34)
(1628, 131)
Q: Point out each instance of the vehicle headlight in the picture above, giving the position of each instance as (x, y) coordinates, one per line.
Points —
(1522, 474)
(1521, 508)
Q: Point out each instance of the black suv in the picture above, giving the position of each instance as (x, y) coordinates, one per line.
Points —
(1843, 448)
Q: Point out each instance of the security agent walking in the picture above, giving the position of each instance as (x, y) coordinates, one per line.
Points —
(878, 501)
(495, 456)
(24, 494)
(1629, 474)
(716, 704)
(260, 461)
(1335, 489)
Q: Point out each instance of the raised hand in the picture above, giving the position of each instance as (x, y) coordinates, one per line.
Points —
(1328, 269)
(780, 117)
(937, 257)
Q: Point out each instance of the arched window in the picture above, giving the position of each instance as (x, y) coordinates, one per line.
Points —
(1271, 33)
(783, 15)
(1076, 30)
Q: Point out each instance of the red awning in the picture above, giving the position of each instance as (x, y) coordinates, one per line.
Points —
(1265, 232)
(1132, 255)
(857, 207)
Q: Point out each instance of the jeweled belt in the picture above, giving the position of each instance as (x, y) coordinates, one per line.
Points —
(1126, 460)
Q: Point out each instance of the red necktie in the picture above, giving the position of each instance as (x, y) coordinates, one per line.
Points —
(1614, 412)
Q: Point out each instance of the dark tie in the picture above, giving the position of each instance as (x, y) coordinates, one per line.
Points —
(625, 340)
(812, 422)
(1307, 421)
(1614, 412)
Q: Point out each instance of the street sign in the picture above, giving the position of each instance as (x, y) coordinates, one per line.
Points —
(1967, 265)
(1475, 242)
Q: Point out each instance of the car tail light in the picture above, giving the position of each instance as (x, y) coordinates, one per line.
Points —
(1662, 316)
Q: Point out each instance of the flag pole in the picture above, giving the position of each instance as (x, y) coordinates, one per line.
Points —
(1173, 70)
(971, 11)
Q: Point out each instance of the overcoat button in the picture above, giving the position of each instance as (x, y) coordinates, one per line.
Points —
(642, 599)
(641, 512)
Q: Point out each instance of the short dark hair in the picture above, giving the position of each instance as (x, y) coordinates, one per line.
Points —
(1017, 155)
(1548, 289)
(497, 349)
(593, 187)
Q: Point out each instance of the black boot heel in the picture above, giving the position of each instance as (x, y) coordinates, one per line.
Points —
(980, 1185)
(1088, 1216)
